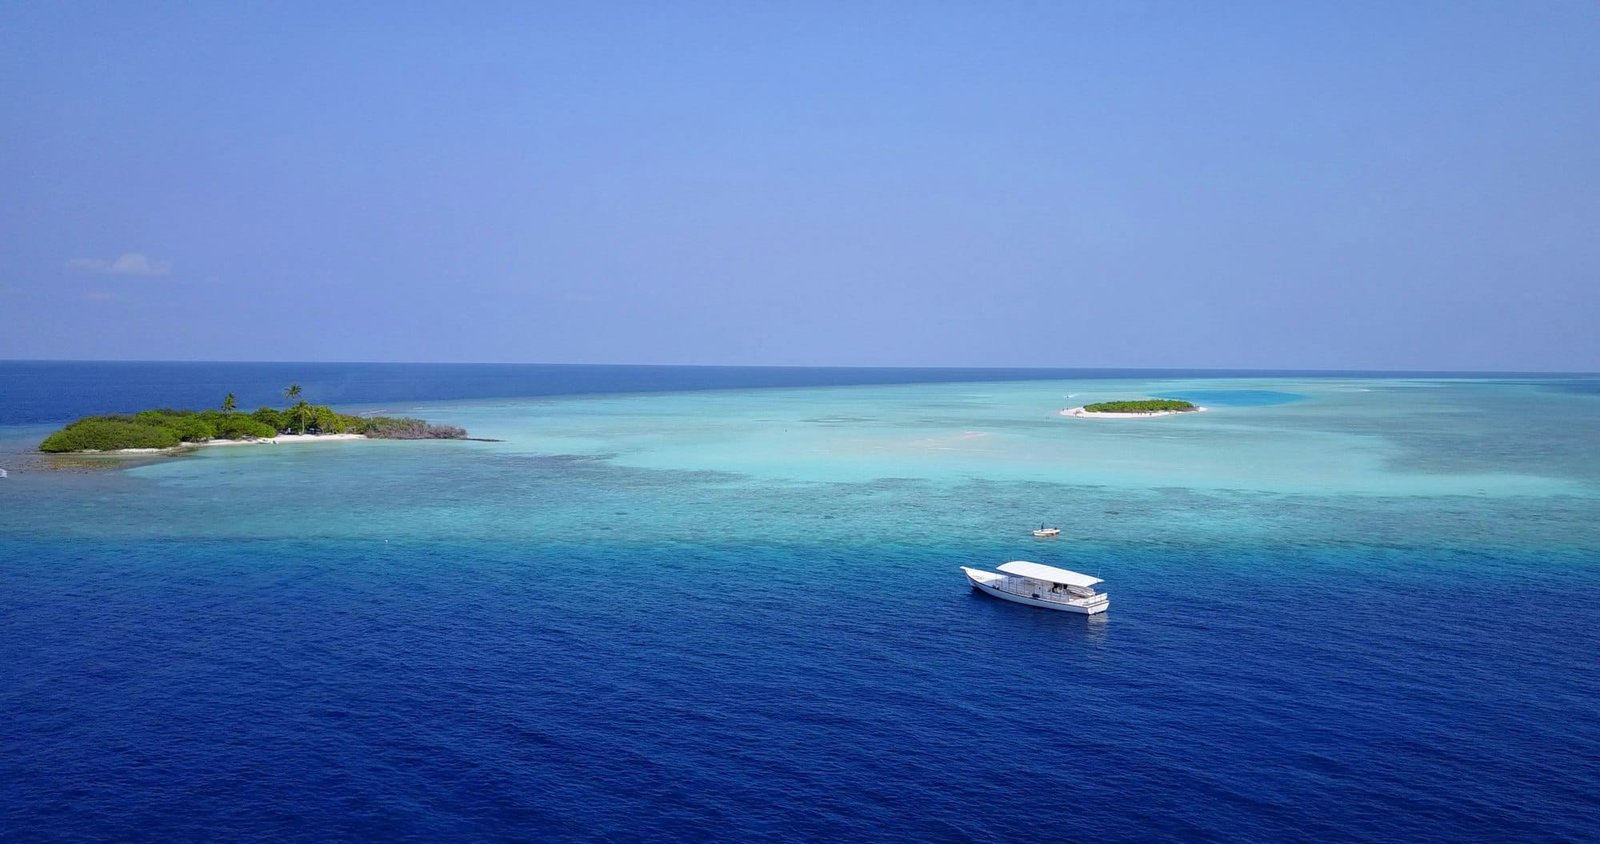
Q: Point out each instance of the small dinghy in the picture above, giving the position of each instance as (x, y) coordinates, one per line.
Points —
(1041, 586)
(1047, 532)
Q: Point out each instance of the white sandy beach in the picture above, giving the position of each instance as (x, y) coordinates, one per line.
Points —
(279, 439)
(288, 438)
(1080, 413)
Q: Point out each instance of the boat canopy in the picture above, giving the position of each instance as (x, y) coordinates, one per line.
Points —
(1039, 571)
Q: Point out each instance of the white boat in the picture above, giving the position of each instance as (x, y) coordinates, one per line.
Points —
(1045, 533)
(1039, 585)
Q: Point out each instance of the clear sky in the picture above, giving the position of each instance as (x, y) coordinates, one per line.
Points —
(1289, 185)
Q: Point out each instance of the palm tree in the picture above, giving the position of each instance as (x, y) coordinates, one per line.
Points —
(229, 405)
(298, 412)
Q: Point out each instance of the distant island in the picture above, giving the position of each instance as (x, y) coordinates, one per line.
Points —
(1133, 408)
(1141, 406)
(166, 428)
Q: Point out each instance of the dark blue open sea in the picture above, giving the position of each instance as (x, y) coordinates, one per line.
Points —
(725, 605)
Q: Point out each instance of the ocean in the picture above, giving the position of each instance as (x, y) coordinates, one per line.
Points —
(725, 604)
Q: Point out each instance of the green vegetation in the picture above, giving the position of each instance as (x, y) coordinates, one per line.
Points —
(402, 428)
(102, 433)
(153, 429)
(1142, 406)
(167, 428)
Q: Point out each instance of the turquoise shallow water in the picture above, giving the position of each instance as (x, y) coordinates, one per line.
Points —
(1342, 608)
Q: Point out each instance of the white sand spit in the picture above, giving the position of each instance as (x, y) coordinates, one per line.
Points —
(1080, 413)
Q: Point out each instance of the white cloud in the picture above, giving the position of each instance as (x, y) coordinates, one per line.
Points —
(128, 263)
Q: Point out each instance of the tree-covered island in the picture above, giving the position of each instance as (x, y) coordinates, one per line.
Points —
(1141, 406)
(167, 428)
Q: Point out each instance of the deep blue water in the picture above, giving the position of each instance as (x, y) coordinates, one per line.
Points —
(445, 641)
(325, 690)
(54, 391)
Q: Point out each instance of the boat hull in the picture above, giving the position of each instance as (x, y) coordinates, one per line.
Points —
(980, 584)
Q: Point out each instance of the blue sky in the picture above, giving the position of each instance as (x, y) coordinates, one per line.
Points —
(1335, 185)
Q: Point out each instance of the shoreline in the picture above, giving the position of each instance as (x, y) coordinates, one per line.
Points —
(1080, 413)
(281, 438)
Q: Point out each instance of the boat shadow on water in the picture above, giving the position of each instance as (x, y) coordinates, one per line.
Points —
(1031, 626)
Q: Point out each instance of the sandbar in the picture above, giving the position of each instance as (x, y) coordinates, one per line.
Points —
(1080, 413)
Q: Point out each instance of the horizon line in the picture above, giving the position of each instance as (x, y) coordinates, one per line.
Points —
(923, 367)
